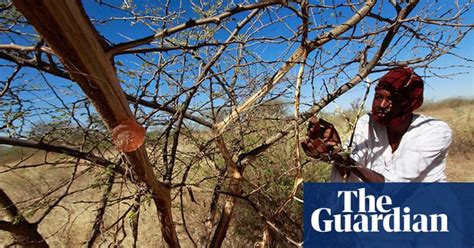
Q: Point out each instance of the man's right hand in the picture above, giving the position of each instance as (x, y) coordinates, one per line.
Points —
(321, 140)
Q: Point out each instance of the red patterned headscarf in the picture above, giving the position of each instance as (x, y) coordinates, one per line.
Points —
(406, 87)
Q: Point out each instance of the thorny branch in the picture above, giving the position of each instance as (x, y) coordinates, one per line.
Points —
(211, 85)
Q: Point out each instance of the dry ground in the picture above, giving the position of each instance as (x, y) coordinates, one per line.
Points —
(70, 223)
(458, 113)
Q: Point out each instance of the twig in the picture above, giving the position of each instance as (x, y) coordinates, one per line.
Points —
(9, 80)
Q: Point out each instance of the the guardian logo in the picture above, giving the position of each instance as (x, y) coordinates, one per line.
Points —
(374, 214)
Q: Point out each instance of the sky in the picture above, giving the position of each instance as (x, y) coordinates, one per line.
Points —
(456, 80)
(459, 84)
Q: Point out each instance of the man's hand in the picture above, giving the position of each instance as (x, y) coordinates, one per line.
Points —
(321, 140)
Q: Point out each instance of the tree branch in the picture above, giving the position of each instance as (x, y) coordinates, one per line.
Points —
(100, 211)
(245, 158)
(58, 149)
(294, 59)
(48, 68)
(24, 233)
(122, 47)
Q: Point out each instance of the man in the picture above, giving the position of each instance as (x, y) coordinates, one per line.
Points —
(390, 144)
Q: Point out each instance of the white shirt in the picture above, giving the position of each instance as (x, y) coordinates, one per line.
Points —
(420, 157)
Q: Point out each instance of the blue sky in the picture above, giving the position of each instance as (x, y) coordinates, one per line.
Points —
(437, 88)
(460, 85)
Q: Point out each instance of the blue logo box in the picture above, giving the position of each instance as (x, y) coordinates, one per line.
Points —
(397, 215)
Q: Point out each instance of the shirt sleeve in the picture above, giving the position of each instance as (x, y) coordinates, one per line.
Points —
(425, 158)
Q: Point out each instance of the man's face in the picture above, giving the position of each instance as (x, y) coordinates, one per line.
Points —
(385, 107)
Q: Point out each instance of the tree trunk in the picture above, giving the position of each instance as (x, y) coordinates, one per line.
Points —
(70, 34)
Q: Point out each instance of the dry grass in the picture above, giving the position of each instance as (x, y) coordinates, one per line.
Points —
(69, 224)
(458, 114)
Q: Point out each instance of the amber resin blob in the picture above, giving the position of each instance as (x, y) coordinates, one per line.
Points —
(128, 136)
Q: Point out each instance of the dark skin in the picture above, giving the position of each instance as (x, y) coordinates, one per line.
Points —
(387, 106)
(323, 141)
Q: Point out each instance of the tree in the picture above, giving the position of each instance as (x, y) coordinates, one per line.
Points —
(199, 76)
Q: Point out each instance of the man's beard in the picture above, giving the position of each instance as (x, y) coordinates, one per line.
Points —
(382, 116)
(387, 117)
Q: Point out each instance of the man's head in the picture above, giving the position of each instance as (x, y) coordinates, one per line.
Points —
(397, 95)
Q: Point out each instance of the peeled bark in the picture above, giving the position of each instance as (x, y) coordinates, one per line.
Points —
(70, 34)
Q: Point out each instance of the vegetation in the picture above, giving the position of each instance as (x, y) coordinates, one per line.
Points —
(223, 89)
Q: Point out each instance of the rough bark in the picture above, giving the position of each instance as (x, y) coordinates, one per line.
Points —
(70, 34)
